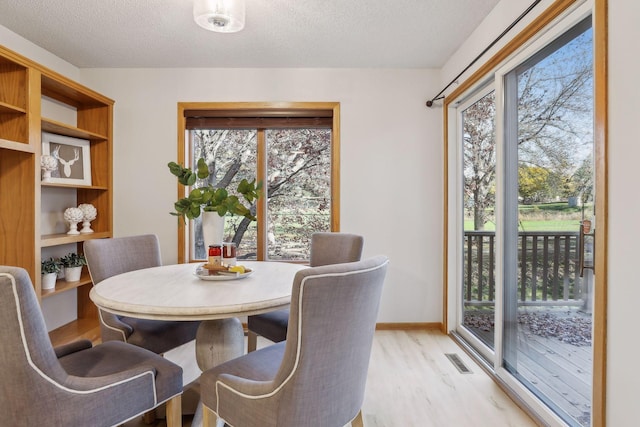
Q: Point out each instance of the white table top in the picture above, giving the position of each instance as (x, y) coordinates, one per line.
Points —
(173, 292)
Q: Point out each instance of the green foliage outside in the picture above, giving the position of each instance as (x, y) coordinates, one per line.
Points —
(297, 186)
(532, 182)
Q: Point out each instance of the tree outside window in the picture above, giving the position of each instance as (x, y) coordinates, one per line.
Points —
(294, 160)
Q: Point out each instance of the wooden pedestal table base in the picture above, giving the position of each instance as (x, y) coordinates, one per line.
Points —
(218, 341)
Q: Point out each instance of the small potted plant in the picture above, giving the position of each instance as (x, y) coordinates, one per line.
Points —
(49, 268)
(72, 263)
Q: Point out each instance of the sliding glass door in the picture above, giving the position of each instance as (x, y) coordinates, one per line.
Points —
(477, 291)
(526, 209)
(548, 195)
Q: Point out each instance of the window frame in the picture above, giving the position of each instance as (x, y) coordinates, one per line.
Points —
(256, 110)
(456, 256)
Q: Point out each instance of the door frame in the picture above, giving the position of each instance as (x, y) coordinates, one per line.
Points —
(545, 20)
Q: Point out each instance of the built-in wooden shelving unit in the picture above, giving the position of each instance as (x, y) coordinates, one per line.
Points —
(24, 86)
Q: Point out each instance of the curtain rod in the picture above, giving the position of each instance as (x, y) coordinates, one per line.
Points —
(513, 24)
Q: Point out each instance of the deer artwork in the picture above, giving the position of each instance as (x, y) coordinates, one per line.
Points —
(66, 163)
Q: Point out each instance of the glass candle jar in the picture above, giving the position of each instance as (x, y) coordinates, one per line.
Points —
(215, 256)
(229, 253)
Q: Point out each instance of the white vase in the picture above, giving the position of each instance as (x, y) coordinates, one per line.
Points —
(90, 213)
(48, 164)
(73, 216)
(86, 227)
(212, 229)
(49, 280)
(72, 274)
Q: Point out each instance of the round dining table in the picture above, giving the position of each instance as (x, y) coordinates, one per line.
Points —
(176, 292)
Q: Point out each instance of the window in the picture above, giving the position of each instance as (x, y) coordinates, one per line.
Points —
(293, 151)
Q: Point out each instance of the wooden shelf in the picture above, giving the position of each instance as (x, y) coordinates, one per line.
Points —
(13, 85)
(9, 108)
(63, 286)
(59, 128)
(70, 92)
(16, 146)
(73, 186)
(63, 239)
(87, 328)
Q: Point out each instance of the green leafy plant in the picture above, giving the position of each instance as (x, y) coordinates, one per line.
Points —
(211, 199)
(50, 265)
(73, 260)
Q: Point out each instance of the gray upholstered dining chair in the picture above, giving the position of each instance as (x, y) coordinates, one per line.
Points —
(317, 376)
(76, 384)
(108, 257)
(326, 248)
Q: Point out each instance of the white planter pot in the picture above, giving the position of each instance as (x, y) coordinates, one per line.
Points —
(72, 274)
(49, 280)
(212, 229)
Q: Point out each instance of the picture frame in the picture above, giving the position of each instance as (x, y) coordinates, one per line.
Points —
(74, 158)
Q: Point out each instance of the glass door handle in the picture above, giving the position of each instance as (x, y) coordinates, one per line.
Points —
(586, 247)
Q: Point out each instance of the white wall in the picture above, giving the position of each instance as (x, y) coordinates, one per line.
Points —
(623, 386)
(391, 160)
(623, 380)
(502, 15)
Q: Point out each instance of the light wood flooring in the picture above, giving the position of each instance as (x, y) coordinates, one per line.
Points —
(412, 383)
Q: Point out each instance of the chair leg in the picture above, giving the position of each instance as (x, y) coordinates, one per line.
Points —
(174, 412)
(252, 341)
(210, 419)
(357, 421)
(149, 417)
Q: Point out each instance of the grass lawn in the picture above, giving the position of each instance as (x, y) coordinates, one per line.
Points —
(567, 225)
(544, 217)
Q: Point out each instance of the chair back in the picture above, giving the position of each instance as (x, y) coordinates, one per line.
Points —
(29, 368)
(334, 248)
(109, 257)
(76, 384)
(331, 325)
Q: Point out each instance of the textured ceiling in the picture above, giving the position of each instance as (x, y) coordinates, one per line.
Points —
(278, 33)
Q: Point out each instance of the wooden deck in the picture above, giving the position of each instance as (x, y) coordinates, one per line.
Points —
(560, 370)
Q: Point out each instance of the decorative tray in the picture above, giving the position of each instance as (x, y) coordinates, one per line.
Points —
(203, 273)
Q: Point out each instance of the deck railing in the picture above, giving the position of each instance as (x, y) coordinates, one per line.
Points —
(547, 272)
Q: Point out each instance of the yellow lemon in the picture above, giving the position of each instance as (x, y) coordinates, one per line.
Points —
(237, 269)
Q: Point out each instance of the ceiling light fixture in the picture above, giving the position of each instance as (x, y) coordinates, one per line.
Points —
(223, 16)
